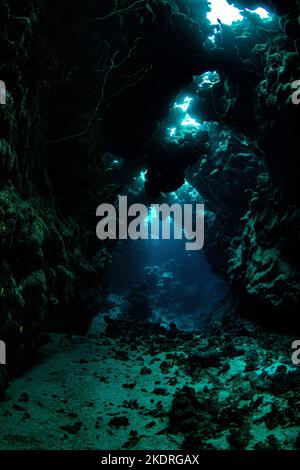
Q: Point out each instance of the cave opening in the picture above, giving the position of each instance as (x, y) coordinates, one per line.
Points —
(148, 278)
(222, 11)
(158, 280)
(149, 275)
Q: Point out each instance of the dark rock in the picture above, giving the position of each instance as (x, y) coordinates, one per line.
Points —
(129, 386)
(119, 421)
(72, 428)
(132, 440)
(160, 391)
(239, 438)
(189, 415)
(24, 397)
(145, 371)
(3, 382)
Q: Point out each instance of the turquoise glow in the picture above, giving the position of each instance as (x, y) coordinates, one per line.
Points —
(185, 105)
(143, 175)
(208, 79)
(188, 121)
(186, 193)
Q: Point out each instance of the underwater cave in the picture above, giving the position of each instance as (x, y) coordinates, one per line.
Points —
(149, 225)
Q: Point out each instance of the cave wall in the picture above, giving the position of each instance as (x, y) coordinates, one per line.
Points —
(51, 266)
(75, 91)
(262, 261)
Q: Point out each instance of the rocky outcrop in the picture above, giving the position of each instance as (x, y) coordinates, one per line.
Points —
(263, 264)
(249, 221)
(226, 178)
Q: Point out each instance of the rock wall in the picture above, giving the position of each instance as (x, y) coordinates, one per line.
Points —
(251, 192)
(51, 266)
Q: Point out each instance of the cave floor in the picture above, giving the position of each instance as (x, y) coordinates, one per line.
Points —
(115, 390)
(76, 389)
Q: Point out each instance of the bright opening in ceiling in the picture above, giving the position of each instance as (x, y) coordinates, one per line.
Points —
(228, 14)
(264, 14)
(221, 10)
